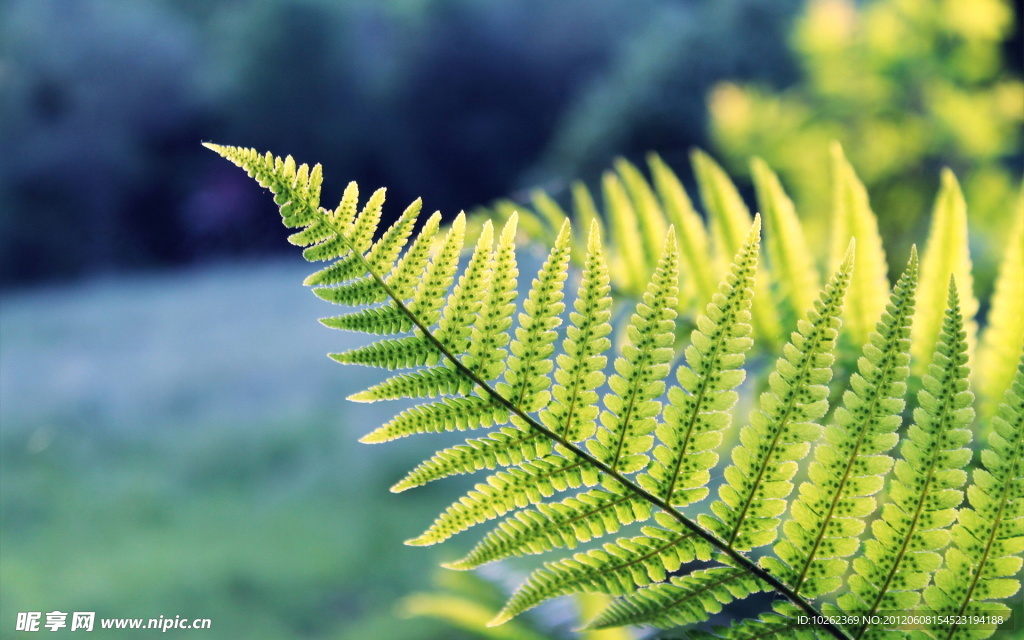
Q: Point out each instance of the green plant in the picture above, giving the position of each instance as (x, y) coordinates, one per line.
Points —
(907, 86)
(647, 460)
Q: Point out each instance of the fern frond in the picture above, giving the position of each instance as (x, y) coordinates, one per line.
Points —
(354, 293)
(548, 209)
(382, 255)
(464, 302)
(791, 260)
(590, 515)
(981, 565)
(586, 216)
(513, 488)
(947, 254)
(652, 223)
(682, 600)
(526, 381)
(425, 383)
(383, 321)
(627, 426)
(440, 274)
(391, 353)
(490, 334)
(456, 339)
(849, 465)
(503, 448)
(729, 220)
(698, 282)
(852, 216)
(698, 409)
(402, 280)
(615, 568)
(780, 432)
(925, 490)
(449, 414)
(1004, 335)
(573, 412)
(296, 189)
(630, 258)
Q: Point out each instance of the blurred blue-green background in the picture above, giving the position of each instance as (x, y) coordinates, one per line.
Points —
(172, 440)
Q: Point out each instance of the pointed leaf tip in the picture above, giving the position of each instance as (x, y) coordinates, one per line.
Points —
(418, 542)
(851, 253)
(499, 620)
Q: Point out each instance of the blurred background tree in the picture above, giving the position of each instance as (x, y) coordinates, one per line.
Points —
(907, 87)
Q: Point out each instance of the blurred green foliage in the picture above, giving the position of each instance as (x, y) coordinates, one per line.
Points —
(907, 87)
(160, 457)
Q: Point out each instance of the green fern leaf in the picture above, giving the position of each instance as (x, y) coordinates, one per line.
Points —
(391, 353)
(630, 259)
(506, 447)
(682, 600)
(589, 515)
(925, 491)
(548, 209)
(946, 255)
(490, 336)
(698, 409)
(381, 256)
(981, 565)
(615, 568)
(1004, 335)
(632, 405)
(791, 260)
(730, 219)
(852, 216)
(652, 223)
(698, 283)
(464, 302)
(440, 273)
(586, 216)
(425, 383)
(513, 488)
(406, 275)
(296, 189)
(385, 320)
(449, 414)
(758, 481)
(526, 381)
(850, 463)
(572, 413)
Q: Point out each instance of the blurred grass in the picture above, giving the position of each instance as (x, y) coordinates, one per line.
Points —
(179, 445)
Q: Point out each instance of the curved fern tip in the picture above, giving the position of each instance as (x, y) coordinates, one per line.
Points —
(594, 236)
(508, 232)
(851, 253)
(499, 620)
(457, 565)
(755, 228)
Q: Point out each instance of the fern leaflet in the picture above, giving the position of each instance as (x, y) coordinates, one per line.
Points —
(780, 432)
(849, 464)
(980, 565)
(923, 496)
